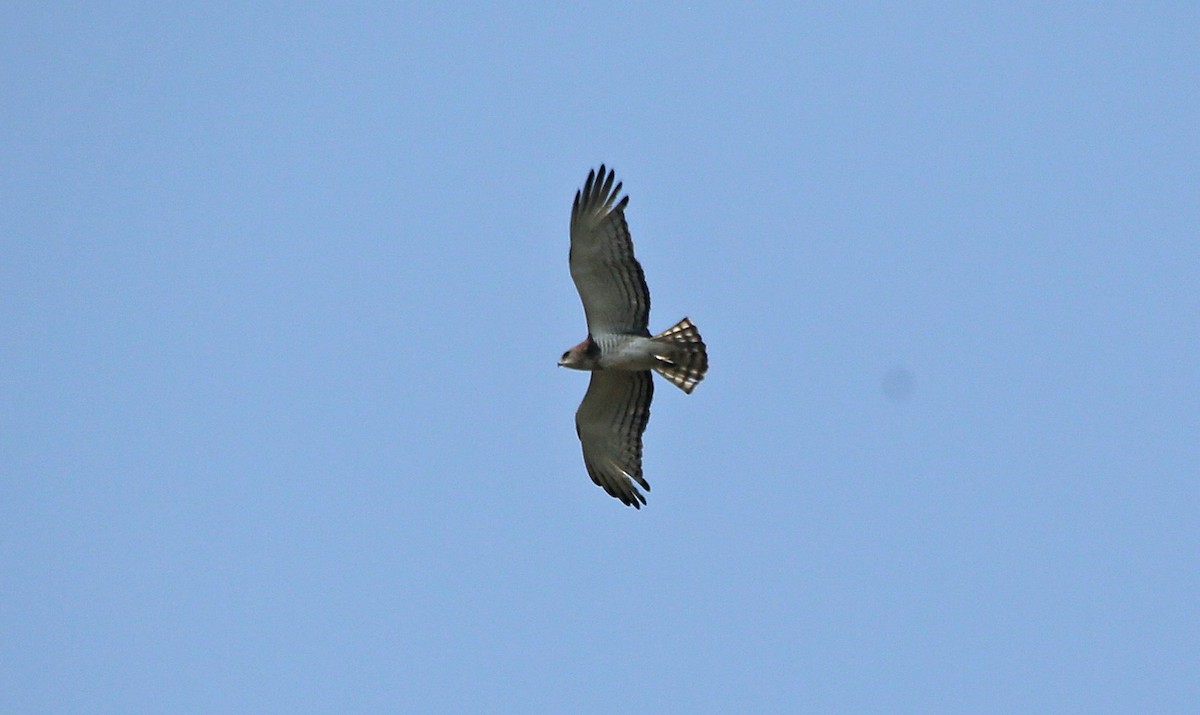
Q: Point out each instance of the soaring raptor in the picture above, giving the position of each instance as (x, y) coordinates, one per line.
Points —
(619, 350)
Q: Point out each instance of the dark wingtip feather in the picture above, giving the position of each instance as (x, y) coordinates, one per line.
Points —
(587, 185)
(603, 194)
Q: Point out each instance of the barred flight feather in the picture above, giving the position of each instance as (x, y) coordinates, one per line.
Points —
(684, 360)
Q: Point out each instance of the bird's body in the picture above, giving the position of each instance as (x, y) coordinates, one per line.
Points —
(619, 350)
(614, 352)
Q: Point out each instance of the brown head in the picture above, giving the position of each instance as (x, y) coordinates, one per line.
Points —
(584, 356)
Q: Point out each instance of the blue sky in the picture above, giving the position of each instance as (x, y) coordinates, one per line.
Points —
(283, 288)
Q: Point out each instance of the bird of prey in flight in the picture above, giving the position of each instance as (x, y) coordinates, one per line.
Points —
(619, 350)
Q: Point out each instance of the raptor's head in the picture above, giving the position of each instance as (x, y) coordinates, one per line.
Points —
(584, 356)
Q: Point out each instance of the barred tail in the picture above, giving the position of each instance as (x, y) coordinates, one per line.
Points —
(684, 357)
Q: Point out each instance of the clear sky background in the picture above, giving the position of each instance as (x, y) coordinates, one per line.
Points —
(283, 287)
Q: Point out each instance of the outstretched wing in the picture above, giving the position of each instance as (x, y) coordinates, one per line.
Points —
(609, 279)
(610, 422)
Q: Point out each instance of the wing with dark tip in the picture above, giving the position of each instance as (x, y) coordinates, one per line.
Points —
(610, 422)
(609, 279)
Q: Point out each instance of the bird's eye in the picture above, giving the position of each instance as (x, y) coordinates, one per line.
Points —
(564, 357)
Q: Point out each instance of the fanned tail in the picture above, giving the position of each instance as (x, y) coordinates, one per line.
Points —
(684, 357)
